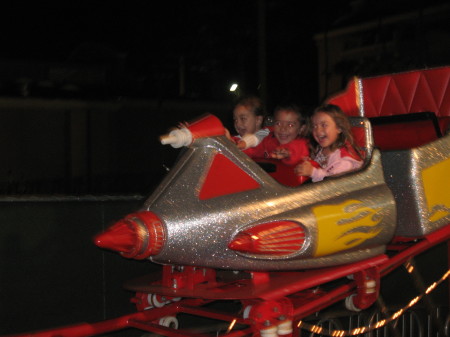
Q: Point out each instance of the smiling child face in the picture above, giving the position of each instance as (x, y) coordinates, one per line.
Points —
(245, 120)
(324, 129)
(286, 126)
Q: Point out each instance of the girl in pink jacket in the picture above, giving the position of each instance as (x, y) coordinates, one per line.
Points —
(331, 145)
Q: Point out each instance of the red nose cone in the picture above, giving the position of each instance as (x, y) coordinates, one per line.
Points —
(138, 236)
(120, 237)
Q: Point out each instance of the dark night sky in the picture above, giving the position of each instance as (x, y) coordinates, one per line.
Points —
(146, 26)
(218, 40)
(133, 49)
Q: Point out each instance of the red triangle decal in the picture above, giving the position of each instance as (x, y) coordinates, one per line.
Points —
(225, 177)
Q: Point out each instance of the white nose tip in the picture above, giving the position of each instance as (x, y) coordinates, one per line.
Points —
(177, 138)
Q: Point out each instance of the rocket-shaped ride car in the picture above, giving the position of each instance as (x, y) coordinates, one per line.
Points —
(218, 208)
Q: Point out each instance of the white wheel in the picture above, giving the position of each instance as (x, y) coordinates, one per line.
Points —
(158, 301)
(169, 321)
(350, 305)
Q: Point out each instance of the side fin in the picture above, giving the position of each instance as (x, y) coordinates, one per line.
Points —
(225, 177)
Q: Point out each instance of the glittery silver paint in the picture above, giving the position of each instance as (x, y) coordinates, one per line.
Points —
(360, 95)
(198, 231)
(403, 173)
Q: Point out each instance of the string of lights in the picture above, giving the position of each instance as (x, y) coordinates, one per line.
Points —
(381, 323)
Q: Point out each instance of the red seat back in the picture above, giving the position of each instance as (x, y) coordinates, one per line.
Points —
(399, 94)
(405, 131)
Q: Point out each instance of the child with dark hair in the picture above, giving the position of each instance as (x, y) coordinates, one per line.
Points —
(285, 141)
(331, 145)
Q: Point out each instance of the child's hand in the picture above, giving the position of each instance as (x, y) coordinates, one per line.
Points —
(305, 168)
(280, 153)
(242, 145)
(228, 134)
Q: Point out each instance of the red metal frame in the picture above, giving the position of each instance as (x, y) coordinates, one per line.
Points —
(274, 298)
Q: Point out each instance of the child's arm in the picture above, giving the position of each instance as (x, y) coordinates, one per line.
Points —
(261, 134)
(248, 141)
(293, 152)
(340, 165)
(252, 140)
(256, 152)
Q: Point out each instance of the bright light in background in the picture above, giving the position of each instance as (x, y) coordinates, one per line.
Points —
(233, 87)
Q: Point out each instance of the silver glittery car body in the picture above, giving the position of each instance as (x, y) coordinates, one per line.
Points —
(216, 197)
(345, 219)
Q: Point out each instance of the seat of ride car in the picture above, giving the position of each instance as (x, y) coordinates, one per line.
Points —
(284, 174)
(410, 130)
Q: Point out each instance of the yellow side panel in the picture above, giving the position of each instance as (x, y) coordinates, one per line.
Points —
(344, 226)
(436, 184)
